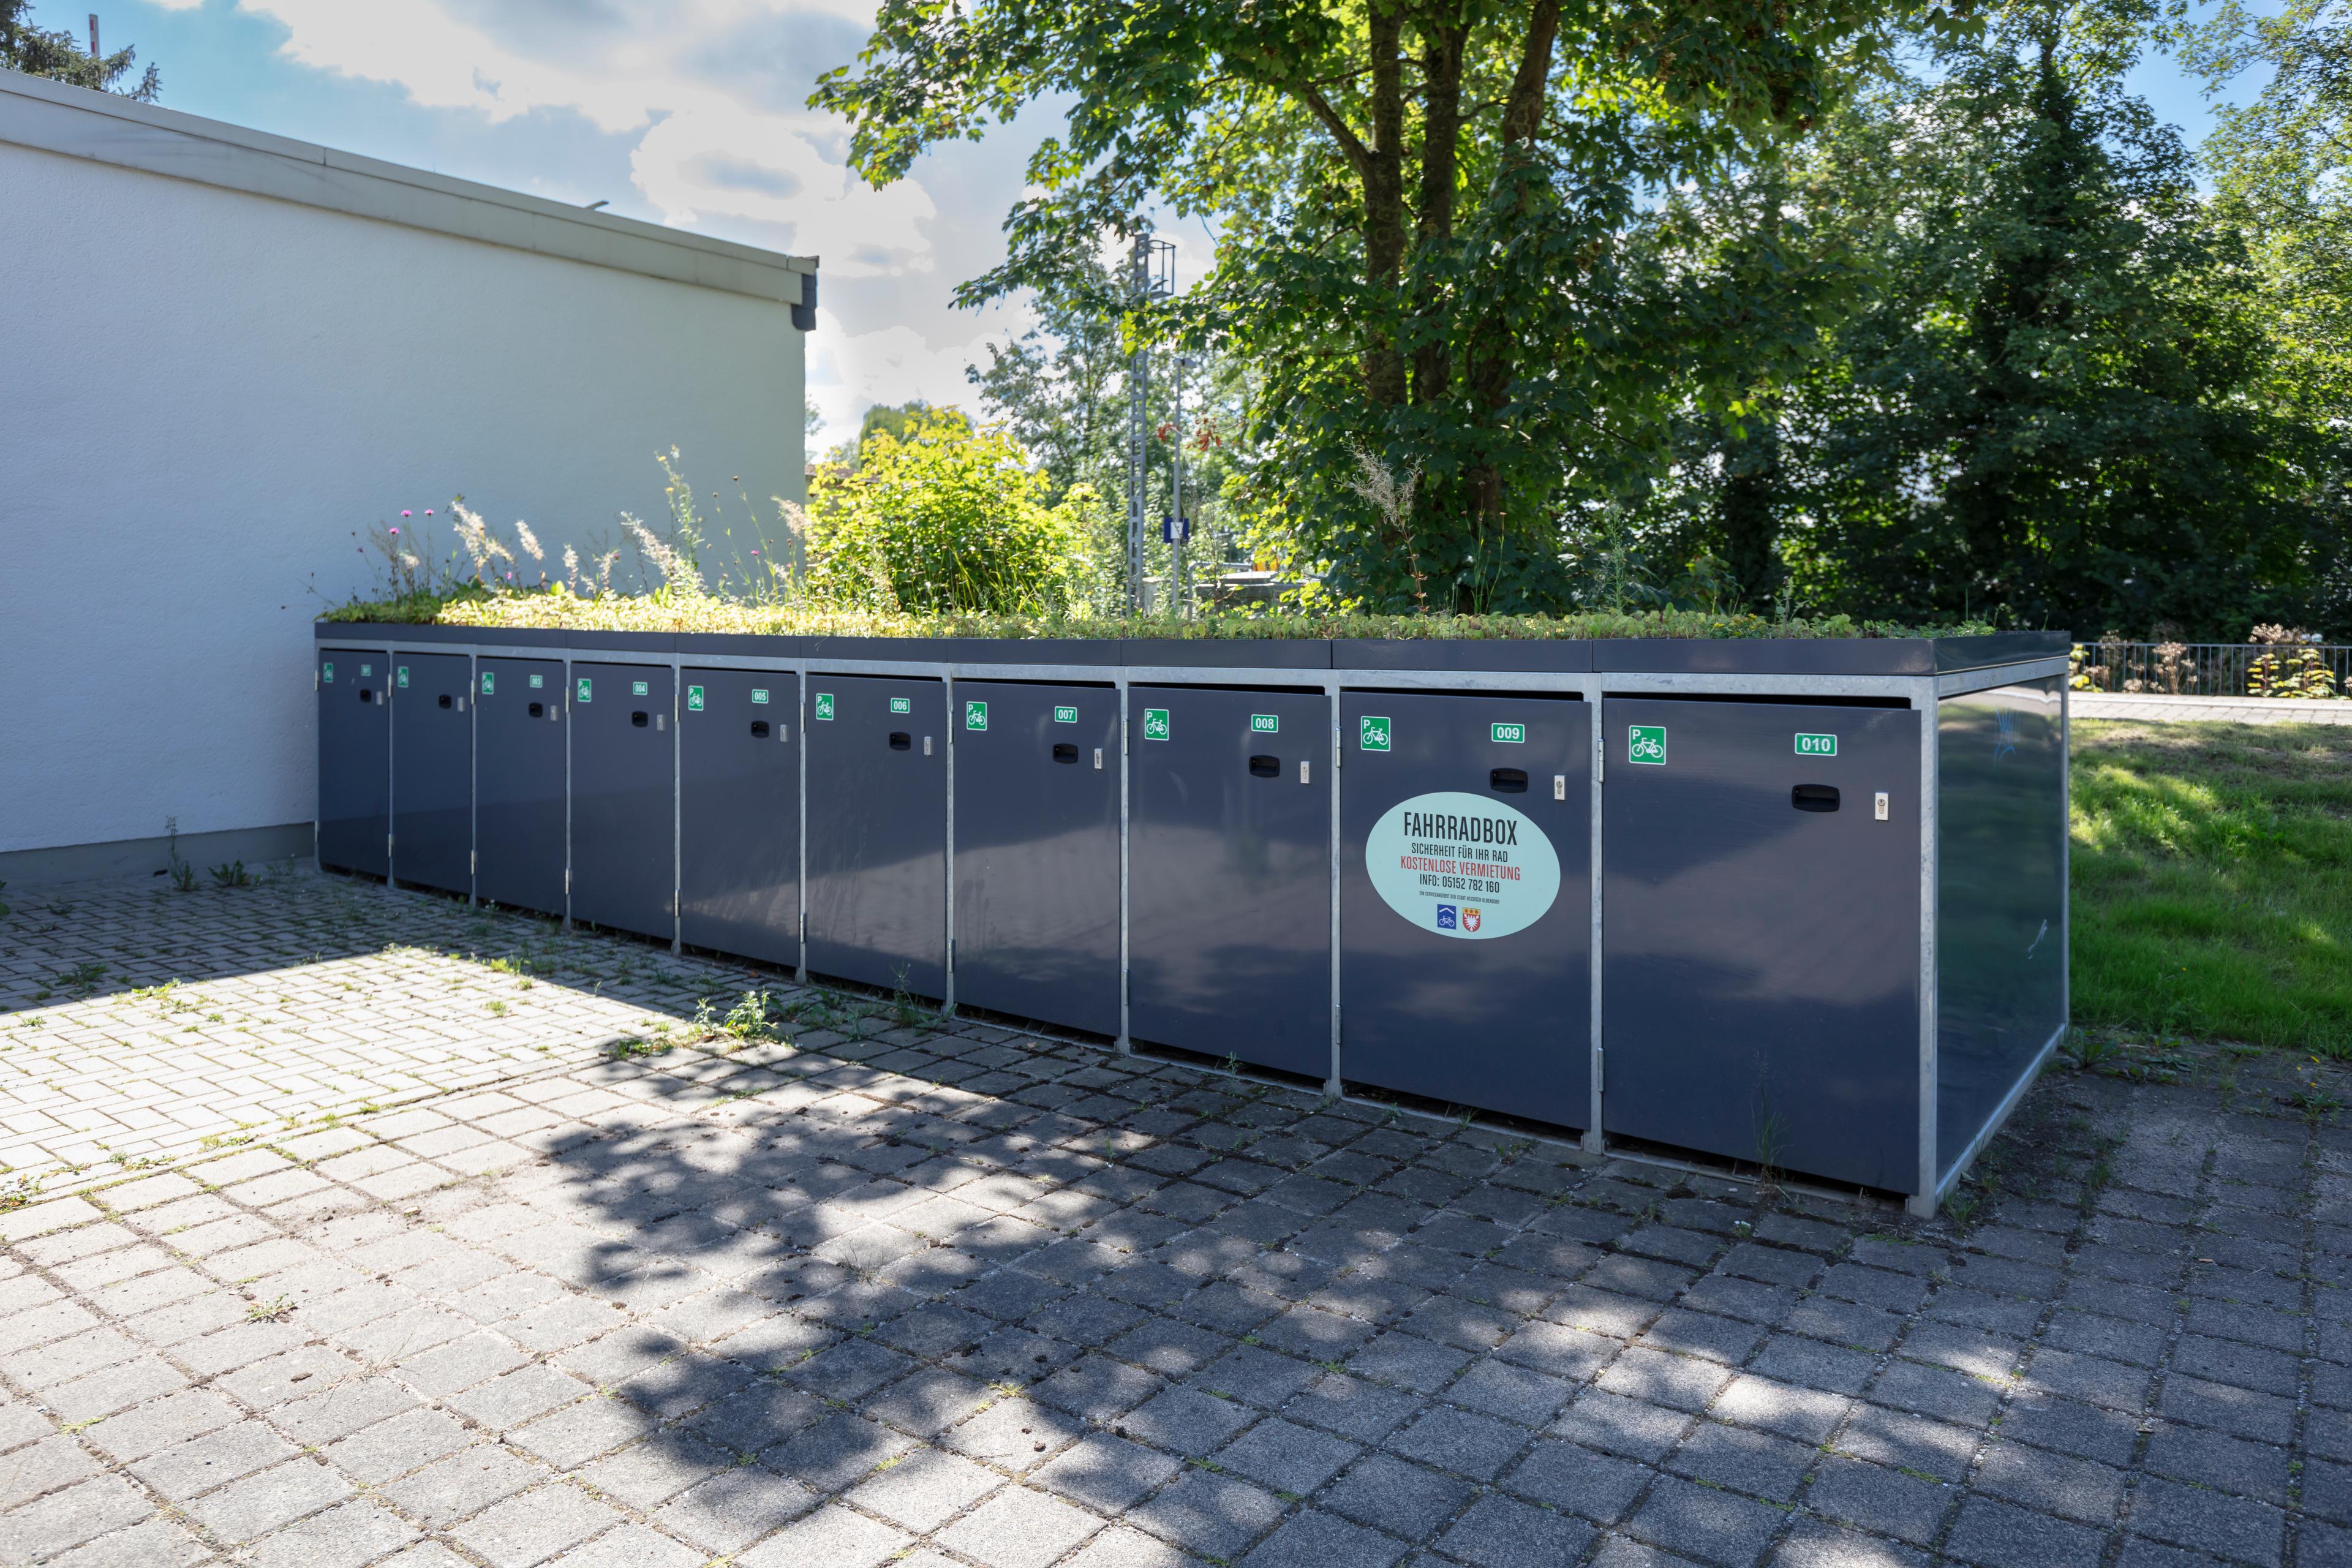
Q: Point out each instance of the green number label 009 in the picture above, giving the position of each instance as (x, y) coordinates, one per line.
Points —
(1512, 734)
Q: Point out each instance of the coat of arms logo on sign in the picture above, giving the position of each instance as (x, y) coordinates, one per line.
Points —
(1428, 855)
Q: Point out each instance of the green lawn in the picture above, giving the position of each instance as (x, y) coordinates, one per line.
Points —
(2212, 876)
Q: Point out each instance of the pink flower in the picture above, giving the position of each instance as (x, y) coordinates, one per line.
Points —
(404, 514)
(395, 532)
(428, 511)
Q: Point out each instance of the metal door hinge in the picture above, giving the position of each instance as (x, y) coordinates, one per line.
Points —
(1338, 757)
(388, 845)
(1599, 1071)
(567, 881)
(473, 861)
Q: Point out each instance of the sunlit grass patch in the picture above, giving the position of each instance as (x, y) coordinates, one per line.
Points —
(2213, 878)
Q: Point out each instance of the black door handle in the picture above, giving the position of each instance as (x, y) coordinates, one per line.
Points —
(760, 729)
(367, 694)
(902, 741)
(1814, 797)
(1066, 753)
(444, 700)
(1263, 767)
(638, 720)
(539, 709)
(1508, 781)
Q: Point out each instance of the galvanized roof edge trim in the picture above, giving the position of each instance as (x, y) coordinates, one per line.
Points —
(106, 127)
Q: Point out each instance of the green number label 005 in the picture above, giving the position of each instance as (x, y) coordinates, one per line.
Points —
(902, 705)
(975, 715)
(1513, 734)
(1646, 743)
(1155, 723)
(1817, 745)
(1066, 715)
(759, 697)
(1263, 724)
(1372, 734)
(824, 705)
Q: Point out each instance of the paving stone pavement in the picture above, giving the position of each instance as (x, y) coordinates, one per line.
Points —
(139, 1022)
(862, 1290)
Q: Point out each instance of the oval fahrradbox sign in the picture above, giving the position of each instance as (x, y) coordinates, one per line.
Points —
(1463, 865)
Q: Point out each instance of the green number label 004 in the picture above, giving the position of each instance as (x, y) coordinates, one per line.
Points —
(824, 705)
(1511, 735)
(694, 699)
(902, 705)
(538, 682)
(1646, 743)
(1265, 724)
(1817, 745)
(585, 690)
(1373, 732)
(1155, 723)
(975, 715)
(1066, 715)
(637, 688)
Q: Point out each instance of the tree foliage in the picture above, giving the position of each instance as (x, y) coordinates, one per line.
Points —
(58, 55)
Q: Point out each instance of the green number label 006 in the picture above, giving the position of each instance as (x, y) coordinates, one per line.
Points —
(902, 705)
(1817, 745)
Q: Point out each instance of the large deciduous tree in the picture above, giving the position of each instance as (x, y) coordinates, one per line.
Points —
(1422, 207)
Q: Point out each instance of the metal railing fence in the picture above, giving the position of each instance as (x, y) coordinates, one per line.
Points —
(2214, 670)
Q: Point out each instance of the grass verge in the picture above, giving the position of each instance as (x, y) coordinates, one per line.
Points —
(2212, 881)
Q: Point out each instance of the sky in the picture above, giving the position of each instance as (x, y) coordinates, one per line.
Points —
(686, 112)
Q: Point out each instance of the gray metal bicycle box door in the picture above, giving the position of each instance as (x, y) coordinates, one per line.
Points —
(623, 816)
(1761, 934)
(739, 835)
(1036, 862)
(1229, 874)
(518, 772)
(1465, 900)
(431, 771)
(877, 831)
(354, 759)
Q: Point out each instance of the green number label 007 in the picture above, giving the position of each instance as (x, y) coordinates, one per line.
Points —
(1514, 734)
(1265, 724)
(1155, 723)
(1646, 743)
(1066, 715)
(1372, 734)
(1817, 745)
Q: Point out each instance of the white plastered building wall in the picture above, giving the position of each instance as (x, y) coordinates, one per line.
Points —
(229, 356)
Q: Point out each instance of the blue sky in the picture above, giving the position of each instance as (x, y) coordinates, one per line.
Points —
(689, 112)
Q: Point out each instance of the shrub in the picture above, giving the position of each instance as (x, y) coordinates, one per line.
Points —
(943, 520)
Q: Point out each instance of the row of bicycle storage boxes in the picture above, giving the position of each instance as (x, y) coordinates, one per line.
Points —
(866, 829)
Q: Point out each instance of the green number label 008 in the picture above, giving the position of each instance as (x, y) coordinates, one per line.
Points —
(1265, 724)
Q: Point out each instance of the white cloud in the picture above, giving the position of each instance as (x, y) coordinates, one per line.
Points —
(633, 66)
(850, 372)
